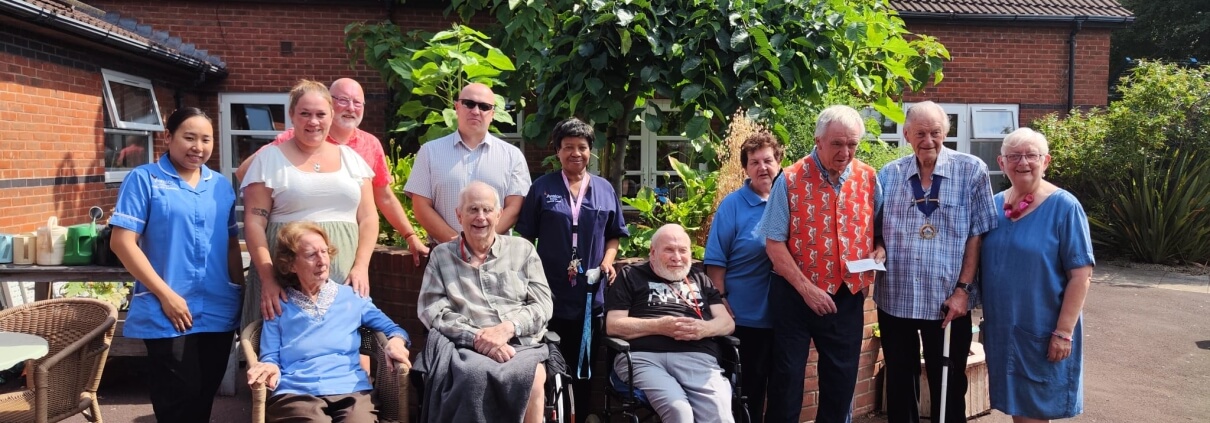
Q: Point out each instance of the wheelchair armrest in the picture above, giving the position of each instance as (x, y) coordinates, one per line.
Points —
(730, 340)
(551, 338)
(617, 344)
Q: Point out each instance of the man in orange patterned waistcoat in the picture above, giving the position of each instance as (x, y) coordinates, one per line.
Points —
(820, 217)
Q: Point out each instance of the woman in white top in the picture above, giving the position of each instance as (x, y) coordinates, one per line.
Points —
(307, 179)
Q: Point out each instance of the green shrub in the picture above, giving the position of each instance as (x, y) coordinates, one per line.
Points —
(690, 210)
(1161, 212)
(400, 166)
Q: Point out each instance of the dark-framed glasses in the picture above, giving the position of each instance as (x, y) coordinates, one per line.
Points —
(1029, 158)
(346, 102)
(471, 104)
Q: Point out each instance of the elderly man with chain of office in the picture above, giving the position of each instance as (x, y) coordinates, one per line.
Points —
(819, 218)
(937, 206)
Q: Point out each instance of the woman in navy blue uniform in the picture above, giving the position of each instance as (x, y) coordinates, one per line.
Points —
(576, 218)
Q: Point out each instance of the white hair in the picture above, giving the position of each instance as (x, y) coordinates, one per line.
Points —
(923, 109)
(475, 186)
(1025, 136)
(844, 115)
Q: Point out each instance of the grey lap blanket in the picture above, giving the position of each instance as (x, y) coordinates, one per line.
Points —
(461, 385)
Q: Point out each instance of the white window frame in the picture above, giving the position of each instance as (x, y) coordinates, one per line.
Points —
(109, 77)
(117, 176)
(516, 138)
(227, 134)
(979, 133)
(649, 163)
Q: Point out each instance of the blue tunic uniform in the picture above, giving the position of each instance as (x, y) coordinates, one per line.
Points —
(184, 232)
(546, 216)
(1024, 267)
(735, 245)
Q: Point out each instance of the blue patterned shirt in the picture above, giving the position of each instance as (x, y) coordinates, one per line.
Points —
(922, 273)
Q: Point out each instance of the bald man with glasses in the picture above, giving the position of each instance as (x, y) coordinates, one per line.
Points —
(447, 165)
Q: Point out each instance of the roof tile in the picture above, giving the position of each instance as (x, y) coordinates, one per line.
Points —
(1091, 8)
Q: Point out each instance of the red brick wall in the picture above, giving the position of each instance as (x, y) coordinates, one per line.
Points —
(248, 37)
(51, 141)
(1019, 65)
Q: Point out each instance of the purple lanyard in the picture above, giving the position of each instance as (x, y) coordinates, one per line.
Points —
(575, 203)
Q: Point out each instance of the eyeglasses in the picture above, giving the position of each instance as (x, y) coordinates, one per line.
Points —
(1030, 158)
(345, 102)
(471, 104)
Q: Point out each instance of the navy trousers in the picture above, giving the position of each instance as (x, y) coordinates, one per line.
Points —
(837, 339)
(901, 341)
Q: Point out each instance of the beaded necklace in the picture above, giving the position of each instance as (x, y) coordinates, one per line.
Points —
(1016, 212)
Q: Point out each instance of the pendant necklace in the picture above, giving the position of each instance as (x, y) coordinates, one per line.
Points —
(927, 204)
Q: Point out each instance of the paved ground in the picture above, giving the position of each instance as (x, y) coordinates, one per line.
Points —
(1147, 359)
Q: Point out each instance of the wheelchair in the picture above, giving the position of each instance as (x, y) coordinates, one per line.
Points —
(559, 404)
(621, 397)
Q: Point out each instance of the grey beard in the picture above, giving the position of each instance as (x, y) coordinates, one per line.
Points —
(663, 271)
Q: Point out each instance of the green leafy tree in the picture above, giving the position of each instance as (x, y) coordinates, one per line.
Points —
(1172, 30)
(428, 71)
(603, 60)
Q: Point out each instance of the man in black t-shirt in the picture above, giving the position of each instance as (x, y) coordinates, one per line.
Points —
(669, 312)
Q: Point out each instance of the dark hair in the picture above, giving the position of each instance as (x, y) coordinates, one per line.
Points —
(758, 141)
(181, 115)
(288, 238)
(572, 128)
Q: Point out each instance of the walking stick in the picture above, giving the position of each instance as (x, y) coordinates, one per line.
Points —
(945, 363)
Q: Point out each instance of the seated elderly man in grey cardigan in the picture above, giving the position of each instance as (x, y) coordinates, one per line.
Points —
(486, 303)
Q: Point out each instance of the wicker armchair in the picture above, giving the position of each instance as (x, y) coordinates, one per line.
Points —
(390, 388)
(63, 383)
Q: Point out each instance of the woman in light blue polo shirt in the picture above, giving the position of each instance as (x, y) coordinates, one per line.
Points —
(174, 229)
(739, 267)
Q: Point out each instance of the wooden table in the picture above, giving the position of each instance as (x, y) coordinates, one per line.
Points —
(17, 347)
(44, 276)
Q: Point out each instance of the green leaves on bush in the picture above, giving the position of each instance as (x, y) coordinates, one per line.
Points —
(429, 70)
(1161, 212)
(691, 209)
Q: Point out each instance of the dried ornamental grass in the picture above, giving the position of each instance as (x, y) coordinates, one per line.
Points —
(731, 173)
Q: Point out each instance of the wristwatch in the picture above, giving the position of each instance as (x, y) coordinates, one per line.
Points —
(965, 286)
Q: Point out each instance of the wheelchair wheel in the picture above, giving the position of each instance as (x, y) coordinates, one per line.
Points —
(559, 398)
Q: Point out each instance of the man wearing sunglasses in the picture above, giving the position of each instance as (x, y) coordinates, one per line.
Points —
(446, 165)
(348, 108)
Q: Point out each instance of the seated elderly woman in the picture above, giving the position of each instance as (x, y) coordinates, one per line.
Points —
(309, 355)
(486, 301)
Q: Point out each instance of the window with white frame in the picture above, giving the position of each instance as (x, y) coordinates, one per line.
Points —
(977, 129)
(248, 122)
(511, 134)
(646, 163)
(132, 117)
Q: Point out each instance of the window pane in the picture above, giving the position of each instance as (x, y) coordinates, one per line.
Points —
(631, 185)
(634, 154)
(124, 151)
(953, 126)
(952, 145)
(673, 124)
(134, 104)
(888, 126)
(245, 145)
(258, 117)
(987, 150)
(678, 149)
(993, 123)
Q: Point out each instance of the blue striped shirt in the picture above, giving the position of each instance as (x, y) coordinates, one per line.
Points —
(922, 273)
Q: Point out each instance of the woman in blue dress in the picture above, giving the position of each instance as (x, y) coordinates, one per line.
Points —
(1036, 269)
(174, 228)
(576, 218)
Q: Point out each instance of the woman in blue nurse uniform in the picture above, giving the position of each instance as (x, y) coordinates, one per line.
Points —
(174, 229)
